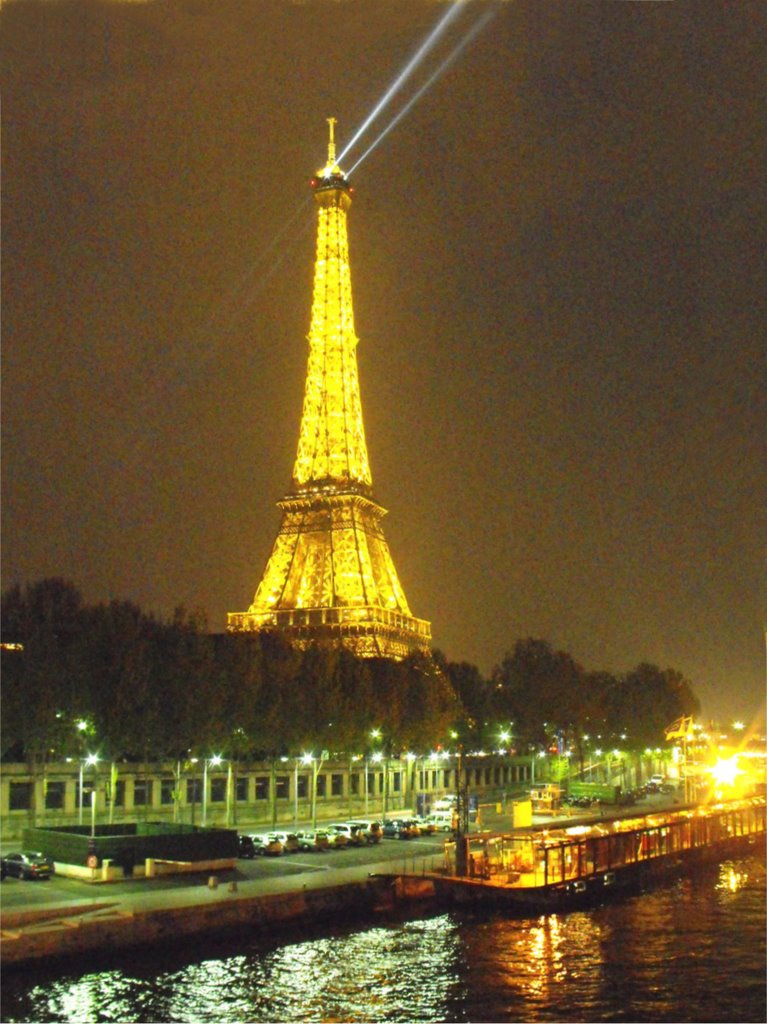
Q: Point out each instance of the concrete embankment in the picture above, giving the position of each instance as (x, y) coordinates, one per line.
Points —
(28, 938)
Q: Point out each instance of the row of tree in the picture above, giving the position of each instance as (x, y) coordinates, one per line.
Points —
(112, 678)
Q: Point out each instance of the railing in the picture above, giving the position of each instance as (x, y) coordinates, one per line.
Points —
(552, 857)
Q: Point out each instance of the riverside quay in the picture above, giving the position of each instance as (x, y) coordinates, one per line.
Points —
(218, 792)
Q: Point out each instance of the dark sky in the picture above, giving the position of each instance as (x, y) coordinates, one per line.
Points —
(558, 262)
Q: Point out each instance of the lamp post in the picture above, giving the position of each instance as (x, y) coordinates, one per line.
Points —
(295, 794)
(230, 803)
(88, 762)
(410, 759)
(462, 814)
(376, 759)
(306, 760)
(215, 761)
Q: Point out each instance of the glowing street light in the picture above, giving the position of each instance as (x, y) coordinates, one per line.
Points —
(215, 761)
(87, 762)
(726, 770)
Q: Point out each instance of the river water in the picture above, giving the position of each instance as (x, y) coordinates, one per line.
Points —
(691, 951)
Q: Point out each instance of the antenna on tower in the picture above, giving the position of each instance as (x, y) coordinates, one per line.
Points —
(331, 144)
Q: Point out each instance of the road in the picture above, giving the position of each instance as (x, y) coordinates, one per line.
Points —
(407, 855)
(289, 870)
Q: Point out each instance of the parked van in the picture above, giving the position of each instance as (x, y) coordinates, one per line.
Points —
(441, 820)
(445, 803)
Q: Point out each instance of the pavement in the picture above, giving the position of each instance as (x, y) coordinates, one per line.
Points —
(143, 895)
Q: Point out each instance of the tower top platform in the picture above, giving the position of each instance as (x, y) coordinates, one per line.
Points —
(330, 177)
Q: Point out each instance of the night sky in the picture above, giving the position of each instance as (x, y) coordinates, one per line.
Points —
(558, 264)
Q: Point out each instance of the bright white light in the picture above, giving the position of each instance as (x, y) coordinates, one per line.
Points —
(92, 759)
(451, 11)
(725, 771)
(473, 31)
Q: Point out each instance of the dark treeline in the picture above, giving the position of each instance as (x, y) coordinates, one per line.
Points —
(112, 678)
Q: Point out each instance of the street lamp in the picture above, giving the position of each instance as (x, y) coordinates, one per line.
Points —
(88, 762)
(214, 761)
(306, 759)
(376, 759)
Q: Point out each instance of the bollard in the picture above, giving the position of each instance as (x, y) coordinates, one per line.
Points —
(232, 887)
(212, 882)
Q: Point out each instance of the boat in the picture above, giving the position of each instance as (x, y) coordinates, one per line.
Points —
(560, 868)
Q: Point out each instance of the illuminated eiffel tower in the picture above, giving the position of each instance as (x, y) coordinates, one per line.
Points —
(330, 575)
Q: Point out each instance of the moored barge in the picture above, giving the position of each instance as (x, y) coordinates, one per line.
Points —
(561, 868)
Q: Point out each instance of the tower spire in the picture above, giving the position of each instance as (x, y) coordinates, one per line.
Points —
(330, 575)
(332, 144)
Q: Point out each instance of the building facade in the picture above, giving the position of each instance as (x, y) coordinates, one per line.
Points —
(264, 794)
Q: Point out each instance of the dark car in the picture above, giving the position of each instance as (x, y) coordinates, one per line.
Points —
(396, 829)
(246, 847)
(28, 864)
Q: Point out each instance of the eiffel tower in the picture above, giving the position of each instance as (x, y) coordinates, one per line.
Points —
(330, 575)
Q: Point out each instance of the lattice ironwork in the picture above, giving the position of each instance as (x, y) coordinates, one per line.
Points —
(331, 574)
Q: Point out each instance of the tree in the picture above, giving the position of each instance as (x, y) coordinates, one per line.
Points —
(42, 679)
(477, 709)
(42, 672)
(646, 700)
(542, 691)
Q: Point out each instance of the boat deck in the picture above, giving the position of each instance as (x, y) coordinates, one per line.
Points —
(535, 859)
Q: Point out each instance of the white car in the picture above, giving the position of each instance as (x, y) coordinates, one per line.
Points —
(371, 830)
(308, 839)
(336, 840)
(354, 835)
(289, 841)
(267, 845)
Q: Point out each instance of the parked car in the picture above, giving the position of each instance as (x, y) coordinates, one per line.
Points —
(311, 840)
(440, 821)
(267, 845)
(28, 864)
(371, 830)
(336, 840)
(289, 841)
(354, 836)
(396, 829)
(426, 825)
(245, 847)
(415, 828)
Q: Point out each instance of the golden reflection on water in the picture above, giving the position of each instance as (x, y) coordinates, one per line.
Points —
(731, 878)
(530, 960)
(646, 958)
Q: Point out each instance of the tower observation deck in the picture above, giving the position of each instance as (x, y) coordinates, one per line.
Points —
(330, 575)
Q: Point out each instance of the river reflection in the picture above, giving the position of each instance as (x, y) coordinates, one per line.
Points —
(694, 951)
